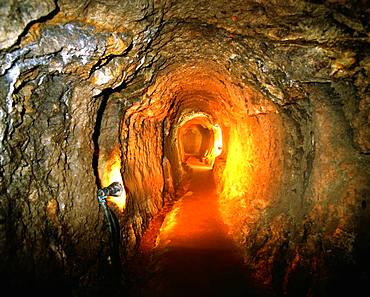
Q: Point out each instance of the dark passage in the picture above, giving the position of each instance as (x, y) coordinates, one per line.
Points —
(194, 255)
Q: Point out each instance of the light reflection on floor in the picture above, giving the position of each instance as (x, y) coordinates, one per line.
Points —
(193, 255)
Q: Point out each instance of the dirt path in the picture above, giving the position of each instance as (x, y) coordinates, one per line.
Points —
(194, 256)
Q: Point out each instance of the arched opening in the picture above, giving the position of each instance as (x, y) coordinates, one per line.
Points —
(200, 142)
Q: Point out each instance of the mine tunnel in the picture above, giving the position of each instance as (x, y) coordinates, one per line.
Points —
(155, 148)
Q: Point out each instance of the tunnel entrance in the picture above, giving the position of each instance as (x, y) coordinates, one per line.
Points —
(200, 143)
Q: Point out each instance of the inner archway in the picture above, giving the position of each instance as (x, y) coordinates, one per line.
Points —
(200, 142)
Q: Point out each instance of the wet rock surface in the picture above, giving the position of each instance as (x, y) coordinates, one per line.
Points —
(193, 254)
(81, 78)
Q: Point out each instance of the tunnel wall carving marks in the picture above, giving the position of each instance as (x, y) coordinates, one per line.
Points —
(52, 78)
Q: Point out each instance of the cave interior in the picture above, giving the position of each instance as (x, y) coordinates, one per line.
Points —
(238, 133)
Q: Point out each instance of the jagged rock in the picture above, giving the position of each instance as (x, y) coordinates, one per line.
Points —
(16, 16)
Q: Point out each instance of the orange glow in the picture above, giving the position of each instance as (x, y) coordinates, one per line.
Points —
(217, 145)
(168, 225)
(214, 145)
(170, 221)
(112, 173)
(239, 165)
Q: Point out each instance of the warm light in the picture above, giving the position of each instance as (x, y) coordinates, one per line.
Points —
(236, 181)
(168, 224)
(112, 173)
(239, 165)
(170, 221)
(217, 147)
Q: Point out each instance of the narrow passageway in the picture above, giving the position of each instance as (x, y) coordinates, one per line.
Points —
(193, 255)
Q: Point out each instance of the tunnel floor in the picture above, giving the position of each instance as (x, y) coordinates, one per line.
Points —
(193, 255)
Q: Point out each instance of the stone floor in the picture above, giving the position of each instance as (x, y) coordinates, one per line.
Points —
(193, 253)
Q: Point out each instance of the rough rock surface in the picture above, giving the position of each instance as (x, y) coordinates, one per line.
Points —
(291, 78)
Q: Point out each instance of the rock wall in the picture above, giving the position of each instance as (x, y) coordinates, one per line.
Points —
(58, 61)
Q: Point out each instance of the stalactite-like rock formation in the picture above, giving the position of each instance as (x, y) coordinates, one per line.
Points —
(89, 85)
